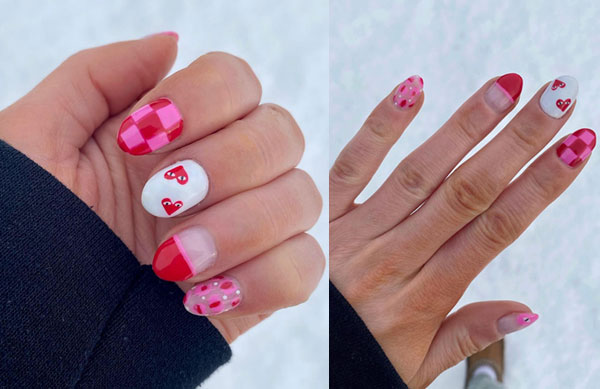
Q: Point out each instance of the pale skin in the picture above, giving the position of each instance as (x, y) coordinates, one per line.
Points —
(258, 205)
(404, 271)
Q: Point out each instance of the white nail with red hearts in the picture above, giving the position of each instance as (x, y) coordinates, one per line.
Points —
(174, 189)
(559, 96)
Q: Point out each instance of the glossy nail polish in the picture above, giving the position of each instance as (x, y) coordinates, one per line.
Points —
(217, 295)
(559, 96)
(504, 92)
(515, 322)
(408, 92)
(150, 127)
(185, 254)
(175, 189)
(577, 147)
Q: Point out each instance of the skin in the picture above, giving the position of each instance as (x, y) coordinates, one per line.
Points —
(68, 124)
(404, 271)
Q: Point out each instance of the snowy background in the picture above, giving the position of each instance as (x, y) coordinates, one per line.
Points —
(286, 44)
(456, 46)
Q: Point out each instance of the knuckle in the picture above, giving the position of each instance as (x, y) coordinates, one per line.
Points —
(379, 129)
(544, 186)
(283, 121)
(498, 229)
(469, 195)
(410, 179)
(467, 126)
(467, 344)
(526, 137)
(347, 170)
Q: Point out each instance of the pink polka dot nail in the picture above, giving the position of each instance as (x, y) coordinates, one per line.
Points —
(212, 297)
(408, 92)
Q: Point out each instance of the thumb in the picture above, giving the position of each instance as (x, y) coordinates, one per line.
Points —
(469, 330)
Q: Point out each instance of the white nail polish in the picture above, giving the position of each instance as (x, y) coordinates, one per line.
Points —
(174, 189)
(559, 96)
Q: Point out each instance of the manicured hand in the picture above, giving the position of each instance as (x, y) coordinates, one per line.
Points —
(191, 165)
(405, 256)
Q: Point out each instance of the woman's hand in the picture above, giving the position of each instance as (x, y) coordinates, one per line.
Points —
(405, 256)
(243, 210)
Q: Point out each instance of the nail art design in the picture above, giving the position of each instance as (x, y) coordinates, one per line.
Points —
(516, 321)
(577, 147)
(408, 92)
(217, 295)
(151, 127)
(559, 96)
(174, 189)
(504, 92)
(185, 254)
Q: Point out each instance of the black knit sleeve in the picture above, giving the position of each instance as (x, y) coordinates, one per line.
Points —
(76, 308)
(355, 358)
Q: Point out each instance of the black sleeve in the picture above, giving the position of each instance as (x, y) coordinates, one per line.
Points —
(355, 358)
(76, 308)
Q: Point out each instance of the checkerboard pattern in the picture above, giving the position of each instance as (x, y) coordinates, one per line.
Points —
(150, 127)
(577, 147)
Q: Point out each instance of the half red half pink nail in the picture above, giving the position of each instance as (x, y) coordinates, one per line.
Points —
(577, 147)
(504, 92)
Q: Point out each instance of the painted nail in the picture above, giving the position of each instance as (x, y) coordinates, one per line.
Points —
(172, 34)
(217, 295)
(577, 147)
(151, 127)
(559, 96)
(175, 189)
(516, 321)
(185, 254)
(408, 92)
(504, 92)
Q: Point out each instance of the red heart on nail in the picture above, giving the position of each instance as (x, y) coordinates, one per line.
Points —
(178, 173)
(558, 84)
(563, 104)
(171, 207)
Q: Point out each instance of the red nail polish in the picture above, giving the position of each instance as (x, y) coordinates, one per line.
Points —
(150, 127)
(512, 84)
(170, 262)
(577, 147)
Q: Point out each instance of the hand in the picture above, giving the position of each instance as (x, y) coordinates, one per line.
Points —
(246, 207)
(405, 256)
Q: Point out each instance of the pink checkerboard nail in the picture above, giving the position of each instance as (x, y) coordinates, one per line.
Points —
(577, 147)
(212, 297)
(150, 127)
(408, 92)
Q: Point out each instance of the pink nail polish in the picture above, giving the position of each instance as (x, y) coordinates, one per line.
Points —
(577, 147)
(213, 297)
(504, 92)
(516, 321)
(172, 34)
(408, 92)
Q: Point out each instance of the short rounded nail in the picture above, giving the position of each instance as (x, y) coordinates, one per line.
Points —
(408, 92)
(577, 147)
(172, 34)
(515, 322)
(212, 297)
(559, 96)
(175, 189)
(150, 127)
(504, 92)
(185, 254)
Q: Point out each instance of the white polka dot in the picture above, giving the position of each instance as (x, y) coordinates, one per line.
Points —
(215, 283)
(203, 297)
(224, 297)
(237, 292)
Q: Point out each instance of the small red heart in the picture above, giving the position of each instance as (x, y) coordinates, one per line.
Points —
(171, 207)
(558, 84)
(178, 173)
(563, 104)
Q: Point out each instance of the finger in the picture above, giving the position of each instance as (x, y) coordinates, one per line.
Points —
(472, 188)
(237, 229)
(213, 91)
(468, 331)
(86, 89)
(246, 154)
(419, 174)
(361, 157)
(477, 244)
(281, 277)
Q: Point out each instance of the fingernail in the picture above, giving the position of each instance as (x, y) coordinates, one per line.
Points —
(516, 321)
(151, 127)
(504, 92)
(408, 92)
(577, 147)
(217, 295)
(559, 96)
(175, 189)
(168, 33)
(185, 254)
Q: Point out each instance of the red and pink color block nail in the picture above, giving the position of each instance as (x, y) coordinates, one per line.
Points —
(408, 92)
(151, 127)
(577, 147)
(516, 321)
(504, 92)
(215, 296)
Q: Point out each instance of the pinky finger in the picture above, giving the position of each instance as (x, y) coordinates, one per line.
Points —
(284, 276)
